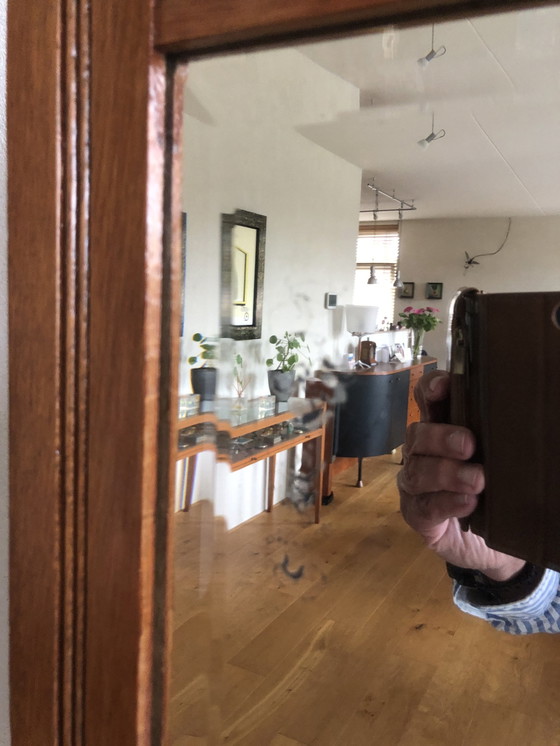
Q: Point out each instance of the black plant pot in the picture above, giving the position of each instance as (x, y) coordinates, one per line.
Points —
(203, 382)
(281, 383)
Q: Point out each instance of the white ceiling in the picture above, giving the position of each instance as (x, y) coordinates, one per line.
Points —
(496, 92)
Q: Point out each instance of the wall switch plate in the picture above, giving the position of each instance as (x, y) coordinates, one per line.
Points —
(330, 300)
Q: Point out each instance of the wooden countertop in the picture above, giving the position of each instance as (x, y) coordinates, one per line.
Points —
(385, 369)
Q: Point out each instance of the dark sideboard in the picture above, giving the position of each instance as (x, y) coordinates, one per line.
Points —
(370, 410)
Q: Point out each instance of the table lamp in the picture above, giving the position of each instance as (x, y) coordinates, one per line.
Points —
(361, 320)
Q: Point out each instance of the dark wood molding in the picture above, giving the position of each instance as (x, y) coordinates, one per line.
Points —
(41, 416)
(92, 294)
(128, 86)
(85, 256)
(211, 26)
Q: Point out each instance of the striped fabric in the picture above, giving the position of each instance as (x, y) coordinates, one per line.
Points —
(539, 612)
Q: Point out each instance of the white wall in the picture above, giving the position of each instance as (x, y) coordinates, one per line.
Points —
(242, 150)
(4, 629)
(434, 251)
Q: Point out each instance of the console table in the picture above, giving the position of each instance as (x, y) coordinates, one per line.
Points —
(242, 438)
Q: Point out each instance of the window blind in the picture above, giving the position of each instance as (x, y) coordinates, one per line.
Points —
(377, 245)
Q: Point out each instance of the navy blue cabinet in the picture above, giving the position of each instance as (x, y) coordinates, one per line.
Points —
(371, 410)
(371, 419)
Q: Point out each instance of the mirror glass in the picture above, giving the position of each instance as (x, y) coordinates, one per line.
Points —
(287, 630)
(242, 274)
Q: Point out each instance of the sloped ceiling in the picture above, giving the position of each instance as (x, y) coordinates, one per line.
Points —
(496, 92)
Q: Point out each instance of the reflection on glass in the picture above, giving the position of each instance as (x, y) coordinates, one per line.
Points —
(279, 623)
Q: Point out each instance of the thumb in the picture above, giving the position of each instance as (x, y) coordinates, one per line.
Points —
(432, 396)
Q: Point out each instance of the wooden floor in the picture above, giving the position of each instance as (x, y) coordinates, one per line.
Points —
(343, 634)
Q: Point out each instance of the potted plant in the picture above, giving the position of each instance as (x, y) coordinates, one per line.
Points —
(203, 379)
(419, 321)
(287, 352)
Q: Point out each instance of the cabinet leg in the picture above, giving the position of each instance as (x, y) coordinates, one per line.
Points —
(359, 483)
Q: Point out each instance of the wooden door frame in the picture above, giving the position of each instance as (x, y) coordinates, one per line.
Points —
(91, 293)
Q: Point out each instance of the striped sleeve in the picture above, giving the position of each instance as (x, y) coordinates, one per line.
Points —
(538, 612)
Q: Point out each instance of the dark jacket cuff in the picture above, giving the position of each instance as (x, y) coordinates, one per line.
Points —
(488, 592)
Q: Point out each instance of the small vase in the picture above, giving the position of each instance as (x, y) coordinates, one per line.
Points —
(239, 403)
(417, 343)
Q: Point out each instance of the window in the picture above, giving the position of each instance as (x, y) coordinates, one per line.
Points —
(377, 246)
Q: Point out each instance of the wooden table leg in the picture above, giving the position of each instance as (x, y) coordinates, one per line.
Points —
(187, 482)
(271, 476)
(319, 457)
(315, 388)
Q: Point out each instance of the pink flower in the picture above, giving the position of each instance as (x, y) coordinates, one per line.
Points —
(408, 309)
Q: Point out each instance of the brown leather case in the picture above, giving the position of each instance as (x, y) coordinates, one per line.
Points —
(505, 387)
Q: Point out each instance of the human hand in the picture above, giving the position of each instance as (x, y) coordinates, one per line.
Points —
(438, 485)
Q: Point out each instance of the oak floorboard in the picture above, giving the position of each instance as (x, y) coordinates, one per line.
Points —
(288, 633)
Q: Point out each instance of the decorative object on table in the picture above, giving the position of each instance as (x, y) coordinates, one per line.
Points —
(288, 350)
(407, 290)
(361, 320)
(434, 290)
(188, 405)
(367, 352)
(419, 321)
(203, 379)
(241, 379)
(266, 405)
(383, 354)
(398, 353)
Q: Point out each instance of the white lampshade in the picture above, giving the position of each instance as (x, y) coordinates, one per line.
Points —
(361, 319)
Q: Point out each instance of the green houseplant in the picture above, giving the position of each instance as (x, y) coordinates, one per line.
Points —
(204, 378)
(288, 350)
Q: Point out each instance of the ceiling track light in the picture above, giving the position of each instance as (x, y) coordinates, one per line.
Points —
(403, 206)
(398, 283)
(432, 136)
(432, 54)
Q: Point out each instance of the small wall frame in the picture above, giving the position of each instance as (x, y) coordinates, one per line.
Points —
(407, 290)
(434, 290)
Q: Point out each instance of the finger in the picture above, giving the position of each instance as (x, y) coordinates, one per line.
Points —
(436, 439)
(425, 474)
(432, 395)
(423, 512)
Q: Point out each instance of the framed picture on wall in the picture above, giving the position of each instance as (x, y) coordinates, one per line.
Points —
(407, 290)
(434, 290)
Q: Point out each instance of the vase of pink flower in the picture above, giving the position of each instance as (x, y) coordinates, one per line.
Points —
(419, 321)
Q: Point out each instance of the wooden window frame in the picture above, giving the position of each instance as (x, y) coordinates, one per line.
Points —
(92, 296)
